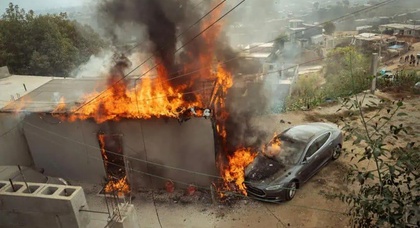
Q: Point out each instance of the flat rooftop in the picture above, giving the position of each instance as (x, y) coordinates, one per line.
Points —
(16, 86)
(45, 93)
(373, 37)
(401, 26)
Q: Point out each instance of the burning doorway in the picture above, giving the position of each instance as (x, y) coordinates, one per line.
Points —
(114, 163)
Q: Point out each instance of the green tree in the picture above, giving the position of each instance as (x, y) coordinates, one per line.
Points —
(329, 28)
(44, 44)
(346, 72)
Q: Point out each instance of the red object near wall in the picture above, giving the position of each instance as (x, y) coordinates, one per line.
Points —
(191, 190)
(170, 187)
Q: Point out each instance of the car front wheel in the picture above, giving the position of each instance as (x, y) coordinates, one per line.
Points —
(291, 190)
(336, 152)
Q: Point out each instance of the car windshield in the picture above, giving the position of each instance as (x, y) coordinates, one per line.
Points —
(284, 149)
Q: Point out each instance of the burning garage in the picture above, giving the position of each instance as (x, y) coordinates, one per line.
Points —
(164, 137)
(179, 121)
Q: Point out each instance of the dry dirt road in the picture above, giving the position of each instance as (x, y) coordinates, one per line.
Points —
(394, 63)
(310, 208)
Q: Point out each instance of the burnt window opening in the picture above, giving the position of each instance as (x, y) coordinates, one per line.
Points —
(112, 155)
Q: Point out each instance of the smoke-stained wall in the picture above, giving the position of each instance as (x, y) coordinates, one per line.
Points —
(156, 150)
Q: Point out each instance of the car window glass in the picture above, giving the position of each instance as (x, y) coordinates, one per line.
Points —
(322, 140)
(317, 143)
(312, 149)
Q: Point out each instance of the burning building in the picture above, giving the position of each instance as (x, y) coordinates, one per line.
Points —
(179, 121)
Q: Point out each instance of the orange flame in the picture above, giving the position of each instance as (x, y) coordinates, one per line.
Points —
(158, 98)
(120, 186)
(235, 171)
(148, 99)
(273, 148)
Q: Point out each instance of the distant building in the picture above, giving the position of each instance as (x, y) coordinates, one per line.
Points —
(401, 29)
(323, 40)
(364, 28)
(302, 32)
(372, 38)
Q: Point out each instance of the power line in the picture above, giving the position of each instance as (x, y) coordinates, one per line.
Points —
(190, 92)
(192, 25)
(207, 189)
(122, 155)
(129, 157)
(182, 33)
(337, 19)
(333, 20)
(256, 46)
(188, 42)
(229, 192)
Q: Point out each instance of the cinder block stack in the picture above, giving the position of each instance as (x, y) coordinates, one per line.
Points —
(42, 205)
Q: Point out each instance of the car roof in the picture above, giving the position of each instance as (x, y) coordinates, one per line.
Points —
(306, 132)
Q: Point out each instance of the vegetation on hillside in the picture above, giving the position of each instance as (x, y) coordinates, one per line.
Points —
(346, 72)
(44, 44)
(387, 193)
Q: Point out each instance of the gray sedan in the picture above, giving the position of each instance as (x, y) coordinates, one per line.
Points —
(291, 159)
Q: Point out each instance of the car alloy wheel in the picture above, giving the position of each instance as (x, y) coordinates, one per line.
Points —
(336, 152)
(291, 190)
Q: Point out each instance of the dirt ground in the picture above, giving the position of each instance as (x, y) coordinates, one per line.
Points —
(394, 64)
(310, 208)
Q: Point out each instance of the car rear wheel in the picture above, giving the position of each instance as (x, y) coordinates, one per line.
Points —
(336, 152)
(291, 190)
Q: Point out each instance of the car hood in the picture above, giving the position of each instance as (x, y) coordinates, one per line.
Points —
(264, 170)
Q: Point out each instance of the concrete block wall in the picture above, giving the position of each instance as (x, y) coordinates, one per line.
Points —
(43, 205)
(71, 150)
(129, 217)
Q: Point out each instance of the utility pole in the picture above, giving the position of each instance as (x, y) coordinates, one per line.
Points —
(374, 68)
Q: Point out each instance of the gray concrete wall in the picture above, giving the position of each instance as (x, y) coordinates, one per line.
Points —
(71, 150)
(64, 149)
(13, 147)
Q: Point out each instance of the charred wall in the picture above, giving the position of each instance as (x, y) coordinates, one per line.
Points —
(71, 150)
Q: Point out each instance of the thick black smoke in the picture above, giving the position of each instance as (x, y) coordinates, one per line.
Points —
(243, 105)
(160, 28)
(164, 20)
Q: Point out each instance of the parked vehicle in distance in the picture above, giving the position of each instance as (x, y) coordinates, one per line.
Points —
(387, 75)
(31, 175)
(290, 159)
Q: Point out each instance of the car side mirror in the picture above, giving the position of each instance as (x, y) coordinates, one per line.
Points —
(305, 161)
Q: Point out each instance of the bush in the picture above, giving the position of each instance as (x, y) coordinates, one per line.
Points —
(346, 73)
(404, 82)
(306, 92)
